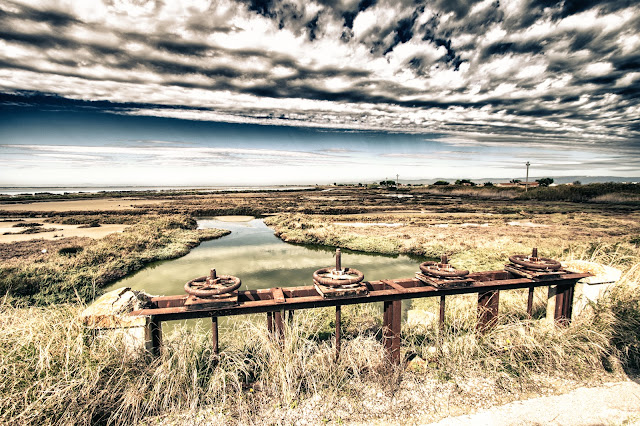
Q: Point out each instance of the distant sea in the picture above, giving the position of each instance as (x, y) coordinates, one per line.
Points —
(12, 190)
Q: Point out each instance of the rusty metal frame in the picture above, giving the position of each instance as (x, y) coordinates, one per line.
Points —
(391, 292)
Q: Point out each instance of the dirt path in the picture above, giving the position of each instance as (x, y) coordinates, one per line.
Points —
(609, 404)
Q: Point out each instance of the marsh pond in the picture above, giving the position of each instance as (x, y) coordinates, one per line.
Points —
(252, 252)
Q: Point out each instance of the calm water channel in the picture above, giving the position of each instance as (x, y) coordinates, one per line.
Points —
(261, 260)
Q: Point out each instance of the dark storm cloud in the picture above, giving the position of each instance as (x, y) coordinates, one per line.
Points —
(51, 17)
(563, 70)
(504, 48)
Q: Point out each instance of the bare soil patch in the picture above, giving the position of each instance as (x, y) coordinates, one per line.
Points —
(60, 231)
(107, 204)
(37, 250)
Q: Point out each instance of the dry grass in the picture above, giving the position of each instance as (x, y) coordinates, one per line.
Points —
(50, 271)
(473, 241)
(54, 372)
(616, 198)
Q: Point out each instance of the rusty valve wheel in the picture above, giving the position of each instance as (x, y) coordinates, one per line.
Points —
(442, 269)
(213, 285)
(338, 277)
(535, 262)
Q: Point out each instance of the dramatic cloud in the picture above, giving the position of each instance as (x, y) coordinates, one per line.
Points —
(561, 74)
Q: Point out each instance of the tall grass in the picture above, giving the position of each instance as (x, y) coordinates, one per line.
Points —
(479, 192)
(475, 248)
(515, 350)
(55, 372)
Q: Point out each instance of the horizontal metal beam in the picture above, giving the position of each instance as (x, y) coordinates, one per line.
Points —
(167, 308)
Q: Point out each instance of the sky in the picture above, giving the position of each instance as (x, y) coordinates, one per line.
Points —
(263, 92)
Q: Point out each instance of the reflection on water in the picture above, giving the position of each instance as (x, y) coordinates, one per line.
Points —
(261, 260)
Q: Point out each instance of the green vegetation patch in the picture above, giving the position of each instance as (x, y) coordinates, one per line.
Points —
(622, 193)
(91, 219)
(54, 276)
(27, 225)
(34, 229)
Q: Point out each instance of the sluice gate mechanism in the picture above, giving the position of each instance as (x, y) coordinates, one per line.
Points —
(218, 296)
(212, 291)
(339, 282)
(443, 274)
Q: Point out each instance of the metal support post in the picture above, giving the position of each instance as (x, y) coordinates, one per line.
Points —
(154, 334)
(391, 329)
(530, 302)
(564, 303)
(488, 303)
(277, 316)
(270, 322)
(214, 335)
(338, 326)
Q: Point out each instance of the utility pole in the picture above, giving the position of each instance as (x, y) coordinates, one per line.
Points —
(526, 182)
(397, 180)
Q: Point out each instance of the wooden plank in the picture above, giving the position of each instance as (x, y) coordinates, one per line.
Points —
(278, 295)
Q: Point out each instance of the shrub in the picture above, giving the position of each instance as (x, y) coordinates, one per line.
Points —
(70, 251)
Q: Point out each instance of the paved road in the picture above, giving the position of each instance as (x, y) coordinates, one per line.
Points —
(609, 404)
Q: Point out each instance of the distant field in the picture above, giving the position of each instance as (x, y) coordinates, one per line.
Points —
(108, 204)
